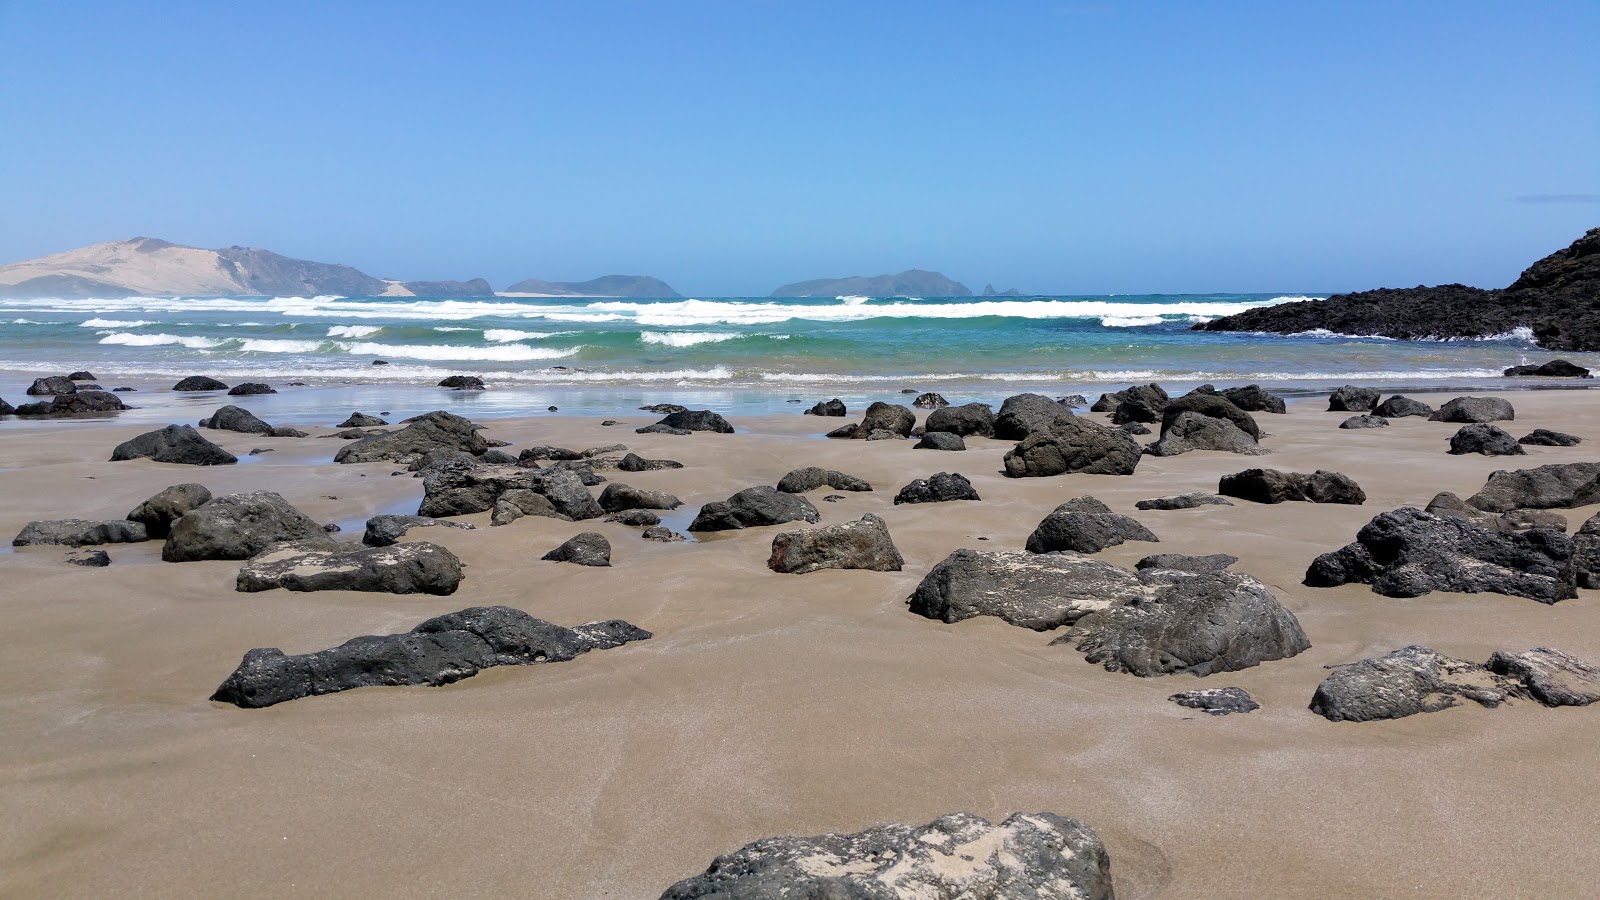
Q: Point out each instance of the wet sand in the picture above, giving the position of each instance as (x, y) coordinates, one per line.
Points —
(765, 704)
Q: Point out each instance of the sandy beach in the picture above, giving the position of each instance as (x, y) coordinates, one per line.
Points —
(765, 704)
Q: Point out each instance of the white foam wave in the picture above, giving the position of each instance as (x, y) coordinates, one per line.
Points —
(715, 373)
(265, 345)
(1129, 321)
(503, 353)
(452, 328)
(851, 300)
(159, 340)
(502, 335)
(114, 323)
(354, 331)
(686, 338)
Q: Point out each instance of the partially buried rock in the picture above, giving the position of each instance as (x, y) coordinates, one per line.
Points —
(233, 418)
(966, 420)
(1555, 486)
(385, 530)
(1024, 414)
(439, 651)
(1085, 525)
(809, 478)
(1073, 445)
(940, 440)
(1273, 486)
(659, 428)
(664, 408)
(618, 497)
(1206, 565)
(884, 434)
(1036, 591)
(1485, 439)
(1217, 701)
(938, 488)
(863, 544)
(586, 549)
(64, 406)
(1445, 503)
(1409, 553)
(82, 376)
(1418, 679)
(834, 407)
(638, 518)
(1400, 407)
(1544, 437)
(415, 568)
(661, 533)
(249, 388)
(159, 512)
(361, 420)
(1037, 856)
(1183, 501)
(462, 383)
(1352, 399)
(633, 462)
(431, 431)
(1372, 421)
(697, 420)
(238, 526)
(930, 400)
(1474, 409)
(199, 383)
(177, 444)
(1550, 676)
(753, 508)
(96, 559)
(1555, 368)
(1134, 428)
(1251, 398)
(890, 417)
(80, 533)
(1195, 431)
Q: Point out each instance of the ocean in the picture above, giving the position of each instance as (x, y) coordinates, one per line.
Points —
(596, 354)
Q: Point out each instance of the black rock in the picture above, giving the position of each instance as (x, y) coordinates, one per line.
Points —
(638, 518)
(940, 440)
(51, 384)
(1212, 405)
(85, 376)
(618, 497)
(665, 408)
(1273, 486)
(1085, 525)
(361, 420)
(1409, 553)
(1073, 400)
(1555, 486)
(97, 559)
(124, 389)
(1485, 439)
(439, 651)
(233, 418)
(1205, 565)
(1137, 428)
(659, 428)
(80, 533)
(938, 488)
(1029, 590)
(178, 444)
(199, 383)
(1400, 406)
(534, 454)
(1353, 399)
(965, 420)
(809, 478)
(1445, 503)
(385, 530)
(633, 462)
(833, 498)
(1194, 431)
(496, 458)
(1183, 501)
(238, 526)
(849, 432)
(661, 533)
(1024, 414)
(697, 420)
(1251, 398)
(1217, 701)
(6, 409)
(1555, 368)
(463, 383)
(1372, 421)
(1544, 437)
(1073, 445)
(1140, 403)
(250, 387)
(588, 548)
(63, 406)
(1038, 856)
(1403, 683)
(930, 401)
(884, 434)
(834, 407)
(863, 544)
(159, 512)
(753, 508)
(890, 417)
(1474, 409)
(415, 568)
(431, 431)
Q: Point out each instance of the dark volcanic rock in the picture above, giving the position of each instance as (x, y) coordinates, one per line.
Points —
(752, 508)
(1273, 486)
(882, 416)
(1023, 414)
(1029, 590)
(618, 497)
(1555, 368)
(249, 388)
(1352, 399)
(535, 454)
(233, 418)
(1409, 553)
(638, 518)
(6, 409)
(1205, 565)
(930, 400)
(1213, 405)
(1073, 445)
(361, 420)
(1195, 431)
(1251, 398)
(940, 440)
(589, 548)
(199, 383)
(1549, 676)
(416, 568)
(433, 431)
(1544, 437)
(80, 533)
(834, 407)
(1085, 525)
(937, 488)
(661, 533)
(1400, 406)
(1200, 624)
(463, 383)
(1403, 683)
(238, 526)
(96, 559)
(1372, 421)
(159, 512)
(385, 530)
(697, 420)
(884, 434)
(179, 444)
(514, 504)
(633, 462)
(966, 420)
(1135, 428)
(1217, 701)
(51, 384)
(1556, 486)
(1029, 856)
(63, 406)
(809, 478)
(85, 376)
(1140, 403)
(664, 408)
(439, 651)
(1183, 501)
(849, 432)
(1474, 409)
(863, 544)
(1445, 503)
(659, 428)
(1485, 439)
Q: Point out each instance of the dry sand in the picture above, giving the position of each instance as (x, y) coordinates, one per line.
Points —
(766, 704)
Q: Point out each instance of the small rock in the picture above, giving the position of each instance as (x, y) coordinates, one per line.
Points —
(177, 444)
(463, 383)
(834, 407)
(930, 400)
(1217, 701)
(1085, 525)
(98, 559)
(1183, 501)
(661, 533)
(863, 544)
(1544, 437)
(635, 517)
(1485, 439)
(1370, 421)
(809, 478)
(249, 388)
(1204, 565)
(1400, 406)
(939, 488)
(589, 548)
(199, 383)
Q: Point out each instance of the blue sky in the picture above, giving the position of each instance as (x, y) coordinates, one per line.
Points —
(729, 147)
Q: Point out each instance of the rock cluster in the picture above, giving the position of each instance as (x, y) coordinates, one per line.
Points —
(1418, 679)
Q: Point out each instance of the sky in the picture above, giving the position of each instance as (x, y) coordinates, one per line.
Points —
(729, 147)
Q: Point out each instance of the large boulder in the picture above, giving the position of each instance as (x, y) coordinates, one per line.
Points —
(697, 420)
(882, 416)
(442, 650)
(233, 418)
(250, 388)
(415, 568)
(80, 533)
(1029, 590)
(1140, 403)
(1023, 414)
(1544, 437)
(1194, 431)
(937, 488)
(1474, 409)
(1190, 622)
(589, 548)
(809, 478)
(834, 407)
(1073, 445)
(863, 544)
(1485, 439)
(1037, 856)
(930, 400)
(1556, 486)
(966, 420)
(1352, 399)
(385, 530)
(177, 444)
(431, 431)
(460, 487)
(1273, 486)
(1212, 405)
(1555, 368)
(1251, 398)
(159, 512)
(1400, 406)
(617, 497)
(1085, 525)
(1417, 679)
(238, 526)
(462, 383)
(1408, 553)
(753, 508)
(51, 384)
(200, 383)
(361, 420)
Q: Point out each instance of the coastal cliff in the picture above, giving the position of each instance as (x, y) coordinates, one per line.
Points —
(634, 286)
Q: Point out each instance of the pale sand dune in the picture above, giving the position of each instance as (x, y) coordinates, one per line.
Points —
(766, 704)
(142, 265)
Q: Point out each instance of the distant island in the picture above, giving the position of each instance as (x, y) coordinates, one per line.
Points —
(989, 291)
(633, 286)
(910, 283)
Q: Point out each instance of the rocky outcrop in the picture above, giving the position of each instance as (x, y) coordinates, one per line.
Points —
(415, 568)
(1474, 409)
(589, 548)
(80, 533)
(1073, 445)
(1409, 553)
(1544, 437)
(441, 650)
(1418, 679)
(1250, 398)
(159, 512)
(863, 544)
(930, 400)
(1352, 399)
(1140, 403)
(809, 478)
(966, 420)
(385, 530)
(1183, 501)
(938, 488)
(177, 444)
(432, 431)
(1445, 503)
(1195, 431)
(462, 383)
(239, 526)
(617, 497)
(1556, 486)
(1029, 590)
(940, 440)
(458, 490)
(1555, 368)
(1217, 701)
(890, 417)
(1400, 406)
(1085, 525)
(200, 383)
(1024, 414)
(79, 403)
(1372, 421)
(662, 409)
(834, 407)
(754, 508)
(1273, 486)
(1037, 856)
(1485, 439)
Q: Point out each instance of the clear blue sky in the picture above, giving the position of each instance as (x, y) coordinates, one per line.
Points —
(729, 147)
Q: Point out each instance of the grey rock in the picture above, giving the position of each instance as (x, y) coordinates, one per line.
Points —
(884, 434)
(249, 388)
(199, 383)
(1024, 414)
(664, 408)
(938, 488)
(1474, 410)
(239, 526)
(567, 493)
(1205, 565)
(432, 431)
(1036, 856)
(514, 504)
(85, 376)
(7, 409)
(809, 478)
(159, 512)
(589, 548)
(849, 432)
(618, 497)
(636, 517)
(1372, 421)
(1555, 368)
(1445, 503)
(386, 530)
(659, 428)
(1352, 399)
(834, 407)
(863, 544)
(1544, 437)
(1194, 431)
(415, 568)
(1134, 428)
(80, 403)
(1183, 501)
(662, 534)
(1140, 403)
(1029, 590)
(361, 420)
(930, 400)
(1406, 682)
(1586, 553)
(281, 431)
(50, 385)
(966, 420)
(592, 452)
(233, 418)
(1073, 445)
(1217, 701)
(439, 651)
(1400, 406)
(940, 440)
(497, 458)
(462, 383)
(1273, 486)
(459, 487)
(633, 462)
(535, 454)
(1073, 400)
(697, 420)
(882, 416)
(1214, 406)
(80, 533)
(1085, 525)
(1549, 676)
(95, 559)
(1485, 439)
(1555, 486)
(753, 508)
(177, 444)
